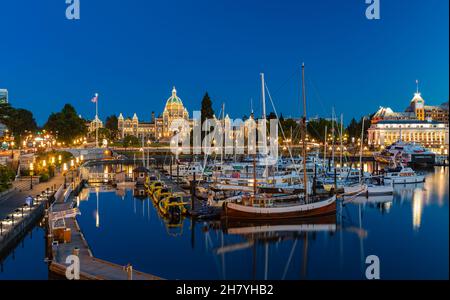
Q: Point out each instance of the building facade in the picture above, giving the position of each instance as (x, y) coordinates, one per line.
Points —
(3, 96)
(419, 123)
(159, 127)
(430, 134)
(417, 110)
(92, 125)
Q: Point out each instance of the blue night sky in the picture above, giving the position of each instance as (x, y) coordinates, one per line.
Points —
(132, 53)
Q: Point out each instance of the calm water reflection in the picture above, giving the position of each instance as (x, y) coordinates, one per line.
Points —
(407, 231)
(26, 261)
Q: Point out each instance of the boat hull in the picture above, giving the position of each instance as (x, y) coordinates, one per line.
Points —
(415, 179)
(321, 208)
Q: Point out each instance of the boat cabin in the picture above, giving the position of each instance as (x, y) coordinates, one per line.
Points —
(140, 175)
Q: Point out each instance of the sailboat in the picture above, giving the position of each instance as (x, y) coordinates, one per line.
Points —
(271, 207)
(363, 187)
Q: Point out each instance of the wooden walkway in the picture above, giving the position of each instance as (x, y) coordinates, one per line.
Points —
(171, 184)
(91, 268)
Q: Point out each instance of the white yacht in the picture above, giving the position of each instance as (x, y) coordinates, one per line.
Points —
(402, 175)
(406, 153)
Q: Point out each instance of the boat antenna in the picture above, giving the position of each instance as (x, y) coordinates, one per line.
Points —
(305, 178)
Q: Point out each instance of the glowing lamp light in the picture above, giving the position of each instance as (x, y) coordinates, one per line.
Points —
(65, 166)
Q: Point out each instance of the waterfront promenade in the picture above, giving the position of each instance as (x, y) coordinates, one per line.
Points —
(21, 189)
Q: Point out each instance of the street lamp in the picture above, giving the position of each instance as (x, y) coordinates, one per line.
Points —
(31, 175)
(65, 173)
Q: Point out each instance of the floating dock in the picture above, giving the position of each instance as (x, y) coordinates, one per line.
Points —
(91, 268)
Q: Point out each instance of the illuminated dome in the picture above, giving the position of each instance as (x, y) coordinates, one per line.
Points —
(174, 107)
(174, 99)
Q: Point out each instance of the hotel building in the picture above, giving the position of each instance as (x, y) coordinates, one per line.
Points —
(426, 125)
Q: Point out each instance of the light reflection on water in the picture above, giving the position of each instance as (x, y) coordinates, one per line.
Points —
(408, 231)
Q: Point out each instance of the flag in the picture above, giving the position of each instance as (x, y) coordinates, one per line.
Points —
(95, 99)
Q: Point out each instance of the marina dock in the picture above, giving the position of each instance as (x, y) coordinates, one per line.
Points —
(91, 268)
(198, 209)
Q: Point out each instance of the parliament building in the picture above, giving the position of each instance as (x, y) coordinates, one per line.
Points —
(158, 129)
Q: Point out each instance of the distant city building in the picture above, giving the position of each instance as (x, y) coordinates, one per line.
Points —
(420, 123)
(3, 96)
(3, 129)
(92, 124)
(158, 128)
(417, 110)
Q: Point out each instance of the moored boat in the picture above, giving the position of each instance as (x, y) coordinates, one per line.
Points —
(279, 207)
(402, 175)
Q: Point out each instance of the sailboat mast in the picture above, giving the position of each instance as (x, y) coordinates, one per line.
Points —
(325, 147)
(305, 178)
(333, 135)
(361, 150)
(223, 137)
(264, 115)
(342, 134)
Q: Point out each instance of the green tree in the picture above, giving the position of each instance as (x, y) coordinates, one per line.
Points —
(131, 141)
(67, 124)
(112, 125)
(6, 176)
(207, 110)
(316, 128)
(104, 133)
(17, 120)
(271, 116)
(354, 128)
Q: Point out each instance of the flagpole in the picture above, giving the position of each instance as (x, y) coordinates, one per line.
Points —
(96, 121)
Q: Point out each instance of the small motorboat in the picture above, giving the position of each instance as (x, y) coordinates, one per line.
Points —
(160, 194)
(402, 175)
(154, 186)
(172, 205)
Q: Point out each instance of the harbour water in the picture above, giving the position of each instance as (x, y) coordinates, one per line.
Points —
(407, 231)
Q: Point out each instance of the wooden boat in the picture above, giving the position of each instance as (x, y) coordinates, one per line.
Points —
(280, 207)
(264, 207)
